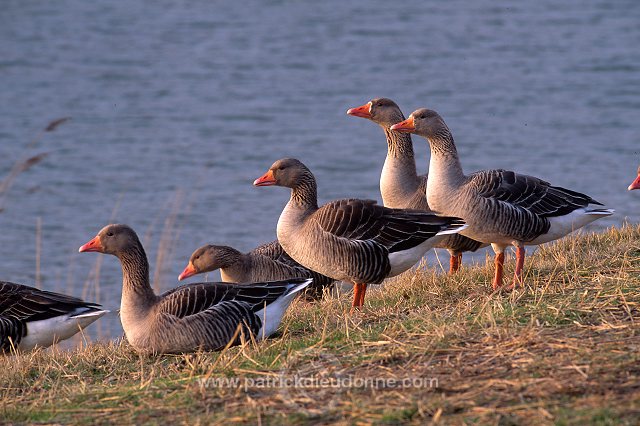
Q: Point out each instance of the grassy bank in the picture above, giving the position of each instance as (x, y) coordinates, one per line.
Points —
(427, 348)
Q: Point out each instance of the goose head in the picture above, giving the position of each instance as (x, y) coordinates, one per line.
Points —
(287, 172)
(112, 239)
(423, 122)
(383, 111)
(208, 258)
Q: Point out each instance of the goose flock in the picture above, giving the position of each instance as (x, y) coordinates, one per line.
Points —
(352, 240)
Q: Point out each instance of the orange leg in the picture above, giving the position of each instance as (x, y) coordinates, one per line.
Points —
(499, 263)
(454, 263)
(359, 289)
(364, 289)
(517, 277)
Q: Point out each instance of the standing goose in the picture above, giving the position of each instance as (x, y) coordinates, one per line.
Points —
(400, 185)
(30, 317)
(193, 316)
(350, 240)
(636, 183)
(501, 207)
(267, 262)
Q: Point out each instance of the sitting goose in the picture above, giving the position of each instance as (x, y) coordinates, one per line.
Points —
(237, 267)
(501, 207)
(193, 316)
(274, 250)
(400, 185)
(636, 183)
(352, 240)
(30, 317)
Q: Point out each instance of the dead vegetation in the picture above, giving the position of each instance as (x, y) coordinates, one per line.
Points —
(29, 160)
(427, 348)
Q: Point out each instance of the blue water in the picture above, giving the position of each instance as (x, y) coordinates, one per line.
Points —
(178, 106)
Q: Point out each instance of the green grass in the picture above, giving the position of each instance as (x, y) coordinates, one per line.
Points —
(563, 350)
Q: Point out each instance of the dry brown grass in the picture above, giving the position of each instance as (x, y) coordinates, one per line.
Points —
(29, 159)
(564, 350)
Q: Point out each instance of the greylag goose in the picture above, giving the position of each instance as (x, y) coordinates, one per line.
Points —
(274, 250)
(501, 207)
(636, 183)
(30, 317)
(400, 185)
(352, 240)
(237, 267)
(193, 316)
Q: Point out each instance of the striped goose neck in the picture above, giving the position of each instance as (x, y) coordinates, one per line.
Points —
(234, 264)
(228, 257)
(135, 275)
(399, 144)
(399, 180)
(442, 143)
(444, 166)
(305, 194)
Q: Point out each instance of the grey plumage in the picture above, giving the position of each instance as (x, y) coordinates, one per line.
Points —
(368, 233)
(274, 250)
(501, 207)
(206, 315)
(531, 201)
(21, 306)
(193, 316)
(400, 185)
(353, 240)
(267, 262)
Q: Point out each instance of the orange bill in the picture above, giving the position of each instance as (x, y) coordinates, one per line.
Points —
(93, 245)
(363, 111)
(406, 126)
(188, 272)
(265, 180)
(635, 184)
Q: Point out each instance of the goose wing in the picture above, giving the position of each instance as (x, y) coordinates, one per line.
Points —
(26, 303)
(12, 331)
(274, 251)
(530, 193)
(195, 298)
(214, 311)
(394, 229)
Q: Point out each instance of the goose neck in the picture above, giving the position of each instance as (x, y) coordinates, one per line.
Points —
(235, 267)
(305, 194)
(444, 162)
(399, 179)
(399, 145)
(228, 257)
(136, 290)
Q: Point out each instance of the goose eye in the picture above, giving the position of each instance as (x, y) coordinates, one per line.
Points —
(110, 234)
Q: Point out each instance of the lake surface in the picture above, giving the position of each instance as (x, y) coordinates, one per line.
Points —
(177, 106)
